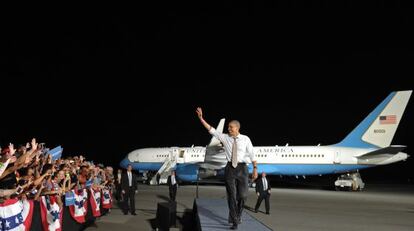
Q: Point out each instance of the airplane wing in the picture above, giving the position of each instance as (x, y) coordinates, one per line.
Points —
(220, 127)
(390, 150)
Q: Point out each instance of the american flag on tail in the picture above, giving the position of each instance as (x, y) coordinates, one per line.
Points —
(16, 214)
(388, 119)
(51, 213)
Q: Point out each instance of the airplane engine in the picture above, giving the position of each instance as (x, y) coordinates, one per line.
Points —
(187, 172)
(206, 173)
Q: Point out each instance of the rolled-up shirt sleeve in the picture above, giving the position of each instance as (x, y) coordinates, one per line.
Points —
(249, 150)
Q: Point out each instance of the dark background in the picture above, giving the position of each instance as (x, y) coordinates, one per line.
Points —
(103, 83)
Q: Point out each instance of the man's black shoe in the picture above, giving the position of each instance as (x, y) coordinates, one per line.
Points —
(234, 227)
(267, 213)
(255, 211)
(133, 214)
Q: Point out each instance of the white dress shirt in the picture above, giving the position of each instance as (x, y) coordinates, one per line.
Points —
(244, 146)
(264, 183)
(173, 180)
(119, 177)
(129, 178)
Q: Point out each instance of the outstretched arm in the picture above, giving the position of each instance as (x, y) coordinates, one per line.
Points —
(200, 116)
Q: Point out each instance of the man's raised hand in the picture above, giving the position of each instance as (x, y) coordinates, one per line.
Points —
(199, 112)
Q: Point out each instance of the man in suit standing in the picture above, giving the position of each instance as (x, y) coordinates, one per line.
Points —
(118, 189)
(129, 186)
(263, 192)
(172, 184)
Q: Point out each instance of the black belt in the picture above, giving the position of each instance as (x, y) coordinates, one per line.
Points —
(243, 163)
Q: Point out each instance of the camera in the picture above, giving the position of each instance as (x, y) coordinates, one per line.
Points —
(19, 189)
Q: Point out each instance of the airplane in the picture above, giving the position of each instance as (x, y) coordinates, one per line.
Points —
(186, 161)
(368, 145)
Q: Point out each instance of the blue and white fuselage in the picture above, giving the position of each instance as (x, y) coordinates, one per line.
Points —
(368, 145)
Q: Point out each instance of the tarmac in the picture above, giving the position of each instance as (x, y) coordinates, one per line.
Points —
(379, 207)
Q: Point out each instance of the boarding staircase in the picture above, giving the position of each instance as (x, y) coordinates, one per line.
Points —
(164, 171)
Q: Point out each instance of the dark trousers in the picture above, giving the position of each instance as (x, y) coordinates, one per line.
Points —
(260, 198)
(173, 192)
(237, 183)
(118, 192)
(129, 196)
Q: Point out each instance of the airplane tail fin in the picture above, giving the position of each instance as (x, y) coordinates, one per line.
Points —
(220, 127)
(378, 128)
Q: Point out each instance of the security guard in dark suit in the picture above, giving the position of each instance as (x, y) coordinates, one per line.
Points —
(129, 186)
(172, 185)
(263, 192)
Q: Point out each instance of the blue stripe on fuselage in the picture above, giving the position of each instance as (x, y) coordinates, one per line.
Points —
(306, 169)
(141, 166)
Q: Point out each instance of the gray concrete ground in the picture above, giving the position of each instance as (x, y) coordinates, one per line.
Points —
(381, 207)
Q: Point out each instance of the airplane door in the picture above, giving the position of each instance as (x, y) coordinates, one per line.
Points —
(180, 156)
(337, 157)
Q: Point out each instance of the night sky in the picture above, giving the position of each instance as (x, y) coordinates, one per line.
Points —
(104, 84)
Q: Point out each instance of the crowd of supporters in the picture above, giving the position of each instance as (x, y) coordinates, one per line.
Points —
(39, 191)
